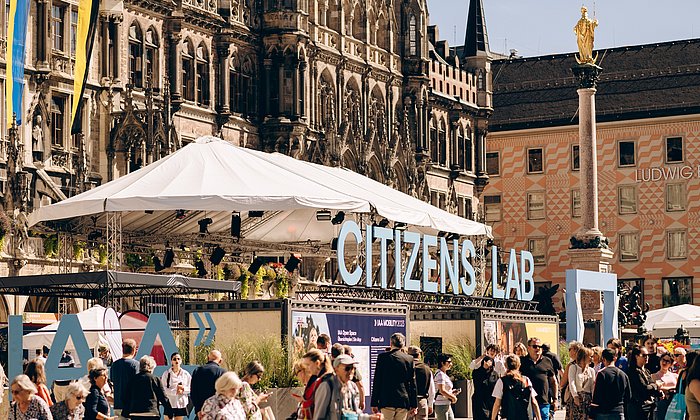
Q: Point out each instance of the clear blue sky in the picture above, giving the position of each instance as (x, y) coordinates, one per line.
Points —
(539, 27)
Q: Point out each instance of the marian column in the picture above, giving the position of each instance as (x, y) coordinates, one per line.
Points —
(589, 248)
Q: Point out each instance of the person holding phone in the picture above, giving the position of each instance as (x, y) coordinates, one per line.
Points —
(248, 398)
(176, 384)
(446, 394)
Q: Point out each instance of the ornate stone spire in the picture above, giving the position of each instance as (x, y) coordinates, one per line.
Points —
(476, 39)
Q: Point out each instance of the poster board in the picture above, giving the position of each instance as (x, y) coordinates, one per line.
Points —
(506, 331)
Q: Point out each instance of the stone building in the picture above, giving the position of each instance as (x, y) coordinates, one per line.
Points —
(364, 84)
(647, 110)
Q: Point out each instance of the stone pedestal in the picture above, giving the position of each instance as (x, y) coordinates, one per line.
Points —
(591, 259)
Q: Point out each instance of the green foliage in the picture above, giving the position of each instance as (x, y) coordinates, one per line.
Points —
(462, 352)
(79, 250)
(258, 280)
(219, 272)
(268, 350)
(245, 284)
(281, 282)
(102, 253)
(135, 261)
(564, 353)
(200, 354)
(51, 246)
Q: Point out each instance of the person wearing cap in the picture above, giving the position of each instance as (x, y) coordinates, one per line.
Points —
(425, 384)
(339, 394)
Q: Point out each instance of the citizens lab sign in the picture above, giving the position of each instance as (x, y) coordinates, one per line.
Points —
(664, 173)
(456, 270)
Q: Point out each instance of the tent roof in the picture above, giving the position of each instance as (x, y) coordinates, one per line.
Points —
(677, 314)
(97, 284)
(91, 321)
(217, 177)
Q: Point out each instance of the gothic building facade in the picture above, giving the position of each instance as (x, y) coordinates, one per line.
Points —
(364, 84)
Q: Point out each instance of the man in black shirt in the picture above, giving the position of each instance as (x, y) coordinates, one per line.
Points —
(425, 384)
(542, 375)
(612, 390)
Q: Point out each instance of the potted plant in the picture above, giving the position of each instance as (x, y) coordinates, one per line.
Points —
(462, 352)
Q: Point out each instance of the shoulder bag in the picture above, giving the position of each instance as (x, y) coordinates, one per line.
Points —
(676, 410)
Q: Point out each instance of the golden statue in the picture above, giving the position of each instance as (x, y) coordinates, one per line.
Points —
(584, 36)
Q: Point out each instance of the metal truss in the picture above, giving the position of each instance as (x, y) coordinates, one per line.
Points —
(65, 252)
(114, 240)
(415, 300)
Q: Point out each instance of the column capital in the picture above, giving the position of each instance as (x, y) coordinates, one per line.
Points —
(587, 75)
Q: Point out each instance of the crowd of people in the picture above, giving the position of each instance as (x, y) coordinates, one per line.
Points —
(529, 383)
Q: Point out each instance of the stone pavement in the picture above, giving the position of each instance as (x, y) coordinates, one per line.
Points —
(559, 415)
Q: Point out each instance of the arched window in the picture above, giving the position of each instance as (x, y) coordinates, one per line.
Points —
(412, 36)
(433, 143)
(151, 57)
(442, 139)
(249, 89)
(359, 20)
(202, 60)
(188, 74)
(135, 55)
(469, 151)
(234, 84)
(458, 150)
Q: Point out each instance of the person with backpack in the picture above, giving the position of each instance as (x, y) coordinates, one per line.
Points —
(319, 370)
(515, 397)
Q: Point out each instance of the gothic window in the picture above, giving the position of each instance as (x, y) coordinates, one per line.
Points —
(110, 66)
(135, 55)
(458, 149)
(58, 13)
(73, 30)
(326, 108)
(58, 132)
(433, 143)
(188, 75)
(469, 151)
(151, 57)
(442, 139)
(234, 84)
(359, 20)
(248, 88)
(288, 89)
(412, 36)
(202, 76)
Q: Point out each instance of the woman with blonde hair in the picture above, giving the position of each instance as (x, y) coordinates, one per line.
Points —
(519, 349)
(581, 377)
(35, 372)
(25, 403)
(224, 404)
(72, 407)
(511, 388)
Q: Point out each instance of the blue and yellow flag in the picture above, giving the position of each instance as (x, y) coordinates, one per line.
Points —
(14, 70)
(85, 38)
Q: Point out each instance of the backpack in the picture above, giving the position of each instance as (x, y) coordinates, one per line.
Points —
(515, 404)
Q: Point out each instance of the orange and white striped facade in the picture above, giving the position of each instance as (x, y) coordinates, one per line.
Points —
(649, 208)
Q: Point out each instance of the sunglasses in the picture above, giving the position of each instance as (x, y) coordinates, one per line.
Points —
(535, 346)
(349, 368)
(677, 355)
(644, 356)
(80, 398)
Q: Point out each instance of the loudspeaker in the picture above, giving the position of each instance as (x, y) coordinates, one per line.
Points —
(156, 263)
(168, 258)
(255, 266)
(256, 213)
(217, 255)
(201, 271)
(293, 263)
(334, 244)
(236, 225)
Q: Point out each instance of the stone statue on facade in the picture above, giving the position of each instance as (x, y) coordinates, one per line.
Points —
(584, 31)
(38, 139)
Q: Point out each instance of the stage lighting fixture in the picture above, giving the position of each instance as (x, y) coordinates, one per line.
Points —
(94, 235)
(383, 223)
(451, 236)
(236, 225)
(217, 255)
(323, 215)
(148, 211)
(204, 225)
(180, 214)
(256, 213)
(334, 244)
(184, 247)
(168, 258)
(399, 226)
(293, 262)
(157, 264)
(339, 217)
(255, 265)
(201, 271)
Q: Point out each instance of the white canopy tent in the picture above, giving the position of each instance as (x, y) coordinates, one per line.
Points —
(217, 177)
(91, 321)
(665, 321)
